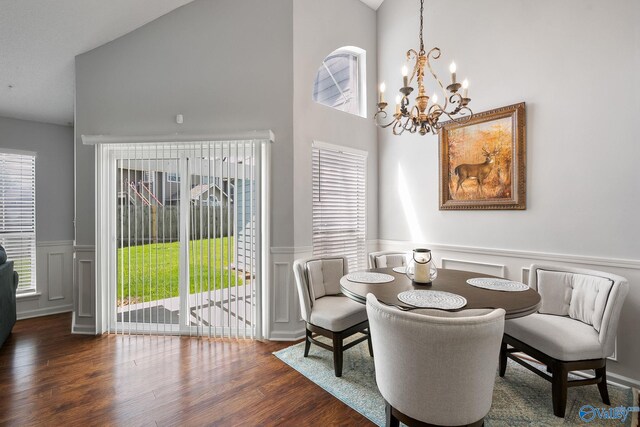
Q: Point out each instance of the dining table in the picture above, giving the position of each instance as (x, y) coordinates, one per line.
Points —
(515, 304)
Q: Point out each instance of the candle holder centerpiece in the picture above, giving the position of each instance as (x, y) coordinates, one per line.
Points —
(420, 268)
(424, 116)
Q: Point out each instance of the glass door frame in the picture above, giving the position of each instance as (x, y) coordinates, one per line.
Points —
(106, 237)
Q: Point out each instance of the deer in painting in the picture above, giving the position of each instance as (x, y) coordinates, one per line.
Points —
(479, 171)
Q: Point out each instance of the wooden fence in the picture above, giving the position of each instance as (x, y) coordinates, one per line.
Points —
(156, 224)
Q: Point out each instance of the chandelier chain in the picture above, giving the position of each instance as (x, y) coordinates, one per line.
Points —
(421, 25)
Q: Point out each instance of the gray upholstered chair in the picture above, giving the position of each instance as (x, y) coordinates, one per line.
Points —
(384, 259)
(437, 368)
(325, 309)
(574, 329)
(8, 286)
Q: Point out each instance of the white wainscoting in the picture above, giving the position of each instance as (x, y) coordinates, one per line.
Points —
(623, 367)
(54, 281)
(473, 266)
(281, 294)
(286, 323)
(84, 320)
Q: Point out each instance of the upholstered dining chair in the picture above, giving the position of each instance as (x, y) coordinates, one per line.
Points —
(326, 310)
(437, 368)
(384, 259)
(574, 328)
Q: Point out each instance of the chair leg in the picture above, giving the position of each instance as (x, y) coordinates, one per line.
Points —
(307, 343)
(602, 385)
(390, 420)
(559, 388)
(337, 354)
(369, 343)
(503, 358)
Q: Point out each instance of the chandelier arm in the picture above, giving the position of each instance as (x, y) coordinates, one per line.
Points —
(380, 116)
(456, 101)
(460, 118)
(396, 126)
(409, 123)
(435, 54)
(410, 53)
(455, 98)
(404, 103)
(384, 126)
(435, 108)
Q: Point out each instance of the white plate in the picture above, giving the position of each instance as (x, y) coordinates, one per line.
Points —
(401, 269)
(369, 277)
(497, 284)
(432, 299)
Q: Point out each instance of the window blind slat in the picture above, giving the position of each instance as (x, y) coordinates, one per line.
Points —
(17, 215)
(339, 203)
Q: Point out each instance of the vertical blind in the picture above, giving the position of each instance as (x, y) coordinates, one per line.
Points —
(186, 239)
(339, 205)
(18, 214)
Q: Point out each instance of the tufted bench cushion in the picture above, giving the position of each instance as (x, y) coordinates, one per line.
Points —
(560, 337)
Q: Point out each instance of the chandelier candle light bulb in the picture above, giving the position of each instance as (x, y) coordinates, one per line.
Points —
(417, 118)
(398, 101)
(465, 88)
(405, 76)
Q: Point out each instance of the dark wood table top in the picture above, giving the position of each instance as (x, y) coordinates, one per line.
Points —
(516, 304)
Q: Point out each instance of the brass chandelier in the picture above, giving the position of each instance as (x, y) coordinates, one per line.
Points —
(424, 116)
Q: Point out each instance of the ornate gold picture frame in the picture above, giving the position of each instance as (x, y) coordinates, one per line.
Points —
(483, 161)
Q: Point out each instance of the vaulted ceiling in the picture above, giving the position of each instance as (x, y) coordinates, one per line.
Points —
(39, 40)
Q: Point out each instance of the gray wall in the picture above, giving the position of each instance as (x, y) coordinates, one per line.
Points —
(54, 212)
(565, 59)
(319, 29)
(225, 65)
(54, 173)
(575, 64)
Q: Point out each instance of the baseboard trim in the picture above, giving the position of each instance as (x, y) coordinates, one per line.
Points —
(621, 380)
(28, 314)
(287, 335)
(82, 329)
(513, 253)
(612, 378)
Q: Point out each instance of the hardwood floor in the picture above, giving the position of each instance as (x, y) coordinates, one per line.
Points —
(50, 377)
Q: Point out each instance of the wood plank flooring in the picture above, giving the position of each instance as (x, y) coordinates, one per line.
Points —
(50, 377)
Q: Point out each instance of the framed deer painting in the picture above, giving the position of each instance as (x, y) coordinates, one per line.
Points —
(482, 162)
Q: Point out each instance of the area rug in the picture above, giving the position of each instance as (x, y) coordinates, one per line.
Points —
(521, 398)
(635, 419)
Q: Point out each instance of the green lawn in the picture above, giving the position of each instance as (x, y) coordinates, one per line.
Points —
(155, 273)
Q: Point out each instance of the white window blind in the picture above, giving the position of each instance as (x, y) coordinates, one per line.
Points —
(18, 214)
(339, 204)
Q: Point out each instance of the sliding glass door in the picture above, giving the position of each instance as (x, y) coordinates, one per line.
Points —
(185, 222)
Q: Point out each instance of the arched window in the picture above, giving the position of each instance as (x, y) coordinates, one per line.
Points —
(340, 81)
